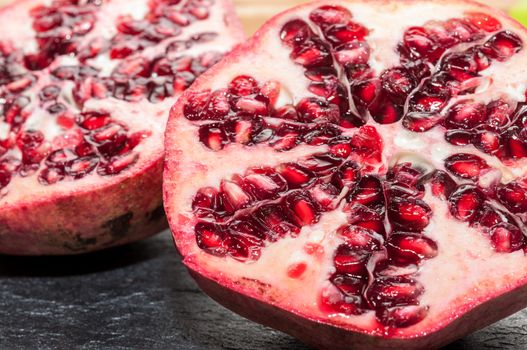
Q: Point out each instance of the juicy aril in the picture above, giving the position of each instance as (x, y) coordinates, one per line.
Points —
(85, 86)
(356, 173)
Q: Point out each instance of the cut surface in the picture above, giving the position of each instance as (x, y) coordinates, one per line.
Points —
(360, 166)
(85, 89)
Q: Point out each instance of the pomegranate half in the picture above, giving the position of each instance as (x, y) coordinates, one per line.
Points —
(356, 173)
(85, 89)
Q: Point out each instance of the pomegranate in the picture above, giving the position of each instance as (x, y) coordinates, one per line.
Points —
(356, 173)
(85, 86)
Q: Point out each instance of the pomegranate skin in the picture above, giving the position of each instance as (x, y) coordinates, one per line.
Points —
(255, 299)
(124, 211)
(108, 211)
(320, 335)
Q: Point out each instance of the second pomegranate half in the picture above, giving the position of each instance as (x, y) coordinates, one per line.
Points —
(356, 173)
(85, 90)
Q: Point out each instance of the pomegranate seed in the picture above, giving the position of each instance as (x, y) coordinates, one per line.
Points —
(484, 21)
(303, 208)
(350, 262)
(235, 197)
(367, 218)
(349, 285)
(410, 248)
(402, 316)
(513, 196)
(491, 216)
(295, 175)
(213, 136)
(488, 141)
(295, 32)
(369, 192)
(360, 238)
(418, 122)
(516, 144)
(498, 114)
(243, 247)
(348, 175)
(210, 237)
(345, 33)
(465, 203)
(367, 144)
(393, 291)
(507, 238)
(117, 164)
(466, 166)
(411, 215)
(50, 176)
(93, 120)
(243, 86)
(329, 15)
(5, 178)
(80, 167)
(466, 115)
(503, 45)
(441, 183)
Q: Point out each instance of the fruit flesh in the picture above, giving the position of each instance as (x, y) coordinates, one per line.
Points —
(88, 151)
(469, 266)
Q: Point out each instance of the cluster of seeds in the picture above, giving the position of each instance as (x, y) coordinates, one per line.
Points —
(91, 141)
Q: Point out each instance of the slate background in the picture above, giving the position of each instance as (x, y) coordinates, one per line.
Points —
(140, 297)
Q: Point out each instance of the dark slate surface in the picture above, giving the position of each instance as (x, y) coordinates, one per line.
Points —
(140, 297)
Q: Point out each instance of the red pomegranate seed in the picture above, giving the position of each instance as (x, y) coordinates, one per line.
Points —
(402, 316)
(507, 238)
(117, 164)
(350, 262)
(80, 167)
(488, 141)
(93, 120)
(513, 196)
(369, 192)
(235, 197)
(393, 291)
(441, 183)
(466, 166)
(491, 216)
(295, 175)
(367, 144)
(348, 175)
(329, 15)
(210, 238)
(410, 248)
(345, 33)
(50, 176)
(360, 238)
(408, 214)
(466, 115)
(213, 136)
(243, 86)
(349, 285)
(484, 21)
(325, 195)
(466, 202)
(295, 32)
(303, 208)
(503, 45)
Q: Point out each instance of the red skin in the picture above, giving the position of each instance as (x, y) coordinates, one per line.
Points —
(81, 222)
(242, 297)
(109, 212)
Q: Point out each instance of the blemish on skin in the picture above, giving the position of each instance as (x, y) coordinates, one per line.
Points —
(120, 225)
